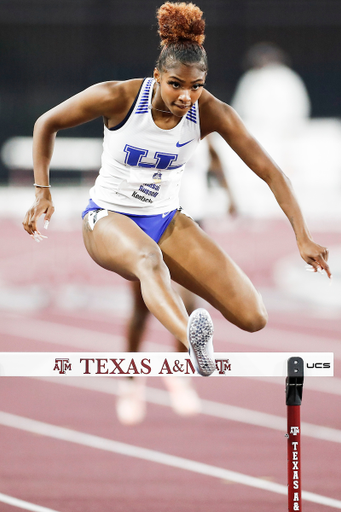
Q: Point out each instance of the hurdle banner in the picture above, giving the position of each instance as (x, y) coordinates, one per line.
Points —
(158, 364)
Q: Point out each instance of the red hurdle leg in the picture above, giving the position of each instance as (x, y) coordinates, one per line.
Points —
(294, 389)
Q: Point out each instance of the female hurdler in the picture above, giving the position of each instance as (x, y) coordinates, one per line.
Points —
(133, 224)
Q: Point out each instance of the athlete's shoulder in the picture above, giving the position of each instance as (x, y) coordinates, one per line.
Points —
(213, 112)
(124, 87)
(124, 91)
(209, 105)
(116, 97)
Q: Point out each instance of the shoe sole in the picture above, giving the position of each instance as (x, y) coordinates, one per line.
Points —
(199, 334)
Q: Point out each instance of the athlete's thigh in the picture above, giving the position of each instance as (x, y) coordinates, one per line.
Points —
(199, 264)
(116, 243)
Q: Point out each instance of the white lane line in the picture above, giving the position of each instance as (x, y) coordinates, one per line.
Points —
(59, 334)
(330, 385)
(272, 338)
(67, 335)
(15, 502)
(269, 338)
(209, 408)
(101, 443)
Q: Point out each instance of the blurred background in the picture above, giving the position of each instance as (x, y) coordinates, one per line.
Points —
(52, 49)
(278, 63)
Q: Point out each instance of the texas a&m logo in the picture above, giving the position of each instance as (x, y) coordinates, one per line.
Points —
(223, 366)
(62, 365)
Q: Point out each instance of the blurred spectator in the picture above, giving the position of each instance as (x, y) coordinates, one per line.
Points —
(273, 101)
(274, 104)
(270, 94)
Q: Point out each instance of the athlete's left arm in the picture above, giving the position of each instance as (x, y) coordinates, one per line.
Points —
(220, 117)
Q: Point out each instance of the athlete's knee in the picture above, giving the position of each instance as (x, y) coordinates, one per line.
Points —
(150, 261)
(257, 323)
(256, 319)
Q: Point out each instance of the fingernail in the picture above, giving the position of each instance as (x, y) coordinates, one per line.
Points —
(46, 225)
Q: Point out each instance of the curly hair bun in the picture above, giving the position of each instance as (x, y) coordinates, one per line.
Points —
(180, 22)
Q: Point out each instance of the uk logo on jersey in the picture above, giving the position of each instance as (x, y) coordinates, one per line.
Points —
(135, 158)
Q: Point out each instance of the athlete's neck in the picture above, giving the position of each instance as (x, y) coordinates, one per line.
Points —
(156, 98)
(159, 110)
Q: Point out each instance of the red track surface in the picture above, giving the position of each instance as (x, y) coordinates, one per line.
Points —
(70, 477)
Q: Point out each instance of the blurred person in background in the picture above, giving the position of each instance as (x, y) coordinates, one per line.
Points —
(273, 102)
(270, 94)
(194, 199)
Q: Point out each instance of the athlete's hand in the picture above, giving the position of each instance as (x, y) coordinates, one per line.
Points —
(42, 204)
(315, 255)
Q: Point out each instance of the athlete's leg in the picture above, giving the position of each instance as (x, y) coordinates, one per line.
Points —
(116, 243)
(189, 299)
(138, 319)
(131, 401)
(198, 263)
(139, 315)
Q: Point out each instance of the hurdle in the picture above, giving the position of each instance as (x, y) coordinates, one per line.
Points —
(294, 391)
(294, 367)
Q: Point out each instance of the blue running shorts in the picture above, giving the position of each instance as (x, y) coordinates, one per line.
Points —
(153, 225)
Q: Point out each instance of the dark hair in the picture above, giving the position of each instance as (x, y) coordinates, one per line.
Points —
(182, 32)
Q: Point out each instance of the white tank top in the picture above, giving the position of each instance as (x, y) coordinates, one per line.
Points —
(142, 164)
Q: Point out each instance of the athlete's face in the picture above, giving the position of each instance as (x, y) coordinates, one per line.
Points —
(179, 88)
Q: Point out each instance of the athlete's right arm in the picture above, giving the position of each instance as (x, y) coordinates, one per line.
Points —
(110, 100)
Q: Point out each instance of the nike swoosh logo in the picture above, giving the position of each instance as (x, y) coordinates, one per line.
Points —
(178, 145)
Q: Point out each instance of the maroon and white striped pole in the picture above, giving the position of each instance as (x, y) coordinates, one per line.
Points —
(294, 389)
